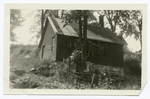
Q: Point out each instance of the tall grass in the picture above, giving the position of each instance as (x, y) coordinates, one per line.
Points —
(24, 56)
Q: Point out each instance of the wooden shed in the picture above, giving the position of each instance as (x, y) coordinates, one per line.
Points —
(58, 42)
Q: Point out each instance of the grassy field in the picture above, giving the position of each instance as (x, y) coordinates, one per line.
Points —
(28, 71)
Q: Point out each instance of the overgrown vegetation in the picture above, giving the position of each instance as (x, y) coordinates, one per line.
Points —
(28, 71)
(132, 63)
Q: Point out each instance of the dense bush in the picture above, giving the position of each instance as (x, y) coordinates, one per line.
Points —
(65, 73)
(132, 63)
(58, 69)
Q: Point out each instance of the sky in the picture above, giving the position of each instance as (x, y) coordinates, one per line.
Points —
(25, 37)
(23, 33)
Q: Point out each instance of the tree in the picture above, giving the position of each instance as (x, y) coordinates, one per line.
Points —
(82, 17)
(15, 21)
(129, 22)
(134, 25)
(36, 26)
(115, 17)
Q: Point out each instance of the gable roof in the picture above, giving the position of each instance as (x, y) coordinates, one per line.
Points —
(93, 32)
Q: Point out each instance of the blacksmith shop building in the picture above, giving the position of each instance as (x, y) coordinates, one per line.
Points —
(58, 42)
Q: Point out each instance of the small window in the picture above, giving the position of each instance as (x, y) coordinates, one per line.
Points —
(71, 44)
(53, 43)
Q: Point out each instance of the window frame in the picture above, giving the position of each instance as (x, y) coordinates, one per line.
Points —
(53, 44)
(71, 43)
(101, 49)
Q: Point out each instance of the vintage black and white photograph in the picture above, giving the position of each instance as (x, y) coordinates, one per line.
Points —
(81, 49)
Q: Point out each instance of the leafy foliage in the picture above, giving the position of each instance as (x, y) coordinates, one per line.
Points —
(134, 26)
(116, 17)
(128, 21)
(15, 21)
(73, 15)
(36, 26)
(132, 63)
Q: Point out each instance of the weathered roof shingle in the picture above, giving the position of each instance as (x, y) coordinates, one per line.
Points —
(93, 32)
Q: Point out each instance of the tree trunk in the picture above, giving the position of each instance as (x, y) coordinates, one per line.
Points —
(80, 28)
(42, 19)
(79, 63)
(83, 41)
(140, 40)
(62, 14)
(140, 28)
(84, 49)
